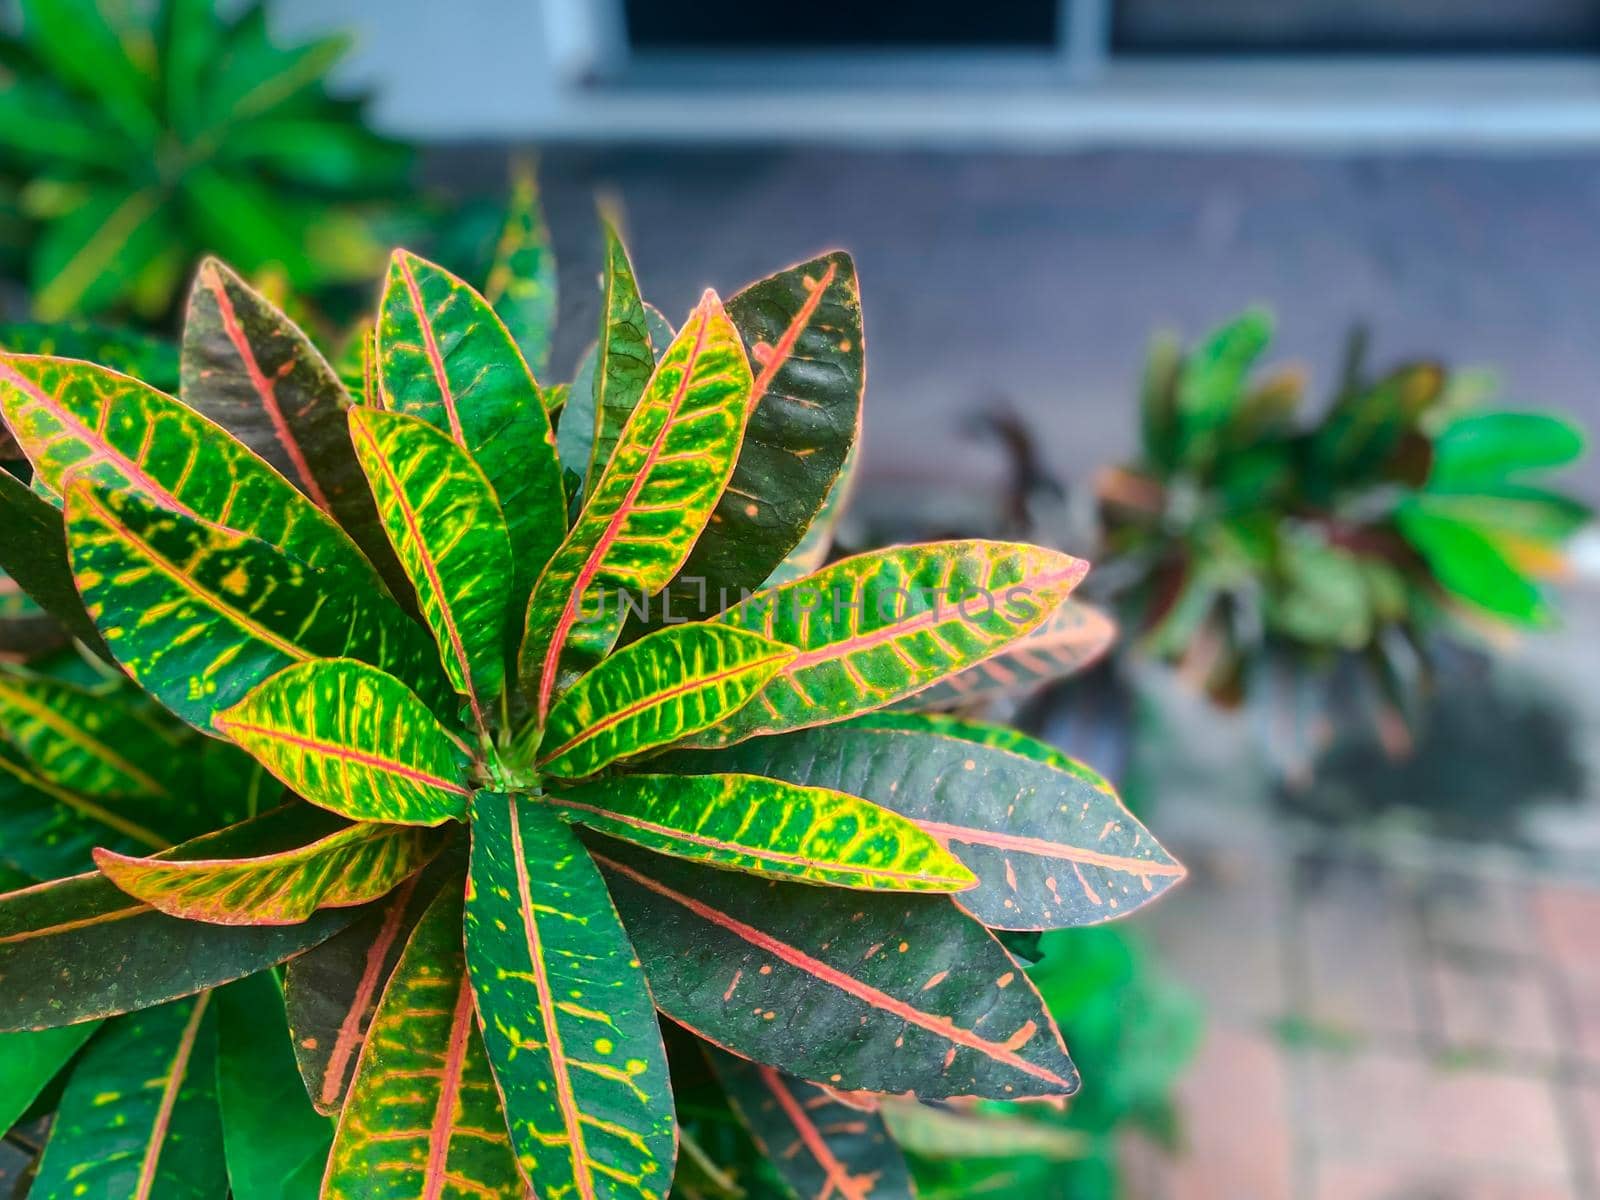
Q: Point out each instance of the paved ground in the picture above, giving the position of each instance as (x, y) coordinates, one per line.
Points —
(1397, 1011)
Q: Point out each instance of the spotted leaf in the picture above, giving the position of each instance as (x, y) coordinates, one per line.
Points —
(878, 627)
(75, 420)
(665, 686)
(876, 991)
(445, 357)
(125, 955)
(651, 502)
(623, 356)
(802, 331)
(1050, 848)
(200, 615)
(138, 1117)
(1070, 639)
(301, 859)
(567, 1019)
(332, 990)
(250, 369)
(819, 1146)
(767, 827)
(446, 526)
(353, 740)
(423, 1118)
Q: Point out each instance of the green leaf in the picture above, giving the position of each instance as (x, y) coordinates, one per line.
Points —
(100, 55)
(250, 369)
(876, 991)
(1158, 402)
(30, 1060)
(624, 359)
(77, 419)
(802, 331)
(139, 1115)
(1367, 426)
(567, 1020)
(1070, 639)
(332, 990)
(445, 357)
(95, 745)
(522, 279)
(813, 549)
(88, 260)
(199, 615)
(667, 685)
(423, 1117)
(124, 954)
(817, 1145)
(353, 740)
(1049, 847)
(270, 1132)
(878, 627)
(1480, 449)
(35, 556)
(446, 526)
(1211, 382)
(655, 496)
(575, 434)
(767, 827)
(47, 832)
(1322, 595)
(147, 358)
(1470, 566)
(322, 863)
(999, 737)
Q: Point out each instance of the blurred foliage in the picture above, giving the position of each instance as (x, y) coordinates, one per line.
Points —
(137, 136)
(1258, 549)
(1132, 1031)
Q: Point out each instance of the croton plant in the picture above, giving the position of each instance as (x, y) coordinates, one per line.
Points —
(1258, 548)
(507, 750)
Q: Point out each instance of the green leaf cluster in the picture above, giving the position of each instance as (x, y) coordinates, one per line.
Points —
(379, 705)
(139, 135)
(1254, 538)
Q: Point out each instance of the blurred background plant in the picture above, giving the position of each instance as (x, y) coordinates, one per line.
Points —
(137, 137)
(1320, 567)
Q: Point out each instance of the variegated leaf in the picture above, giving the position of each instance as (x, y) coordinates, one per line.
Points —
(301, 859)
(567, 1020)
(250, 369)
(663, 687)
(981, 733)
(34, 555)
(446, 526)
(802, 331)
(332, 990)
(75, 420)
(624, 358)
(139, 1115)
(1071, 638)
(97, 745)
(820, 1147)
(877, 991)
(522, 279)
(813, 549)
(353, 740)
(768, 827)
(423, 1118)
(47, 832)
(651, 502)
(444, 356)
(878, 627)
(200, 615)
(1050, 848)
(125, 955)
